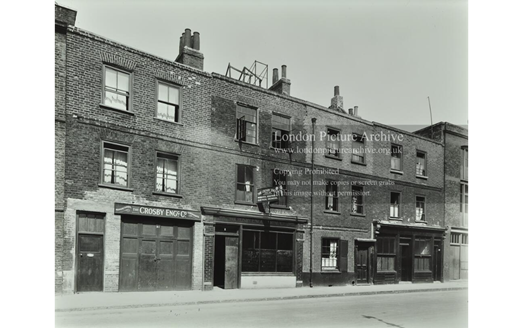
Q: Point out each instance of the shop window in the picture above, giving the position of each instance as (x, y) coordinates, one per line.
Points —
(420, 208)
(395, 159)
(167, 173)
(266, 251)
(168, 106)
(281, 127)
(244, 183)
(358, 150)
(422, 254)
(116, 92)
(421, 164)
(246, 124)
(115, 164)
(386, 253)
(280, 180)
(330, 254)
(333, 143)
(395, 204)
(331, 197)
(357, 200)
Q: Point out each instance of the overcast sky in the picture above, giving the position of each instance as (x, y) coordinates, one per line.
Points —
(386, 56)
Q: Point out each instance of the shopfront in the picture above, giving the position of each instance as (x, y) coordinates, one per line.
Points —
(155, 247)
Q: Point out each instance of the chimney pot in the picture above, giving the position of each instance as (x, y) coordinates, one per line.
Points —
(274, 75)
(187, 41)
(356, 110)
(196, 41)
(337, 90)
(283, 71)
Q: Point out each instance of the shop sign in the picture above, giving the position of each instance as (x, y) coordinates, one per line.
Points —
(162, 212)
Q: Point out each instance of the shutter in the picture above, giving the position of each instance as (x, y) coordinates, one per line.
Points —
(344, 253)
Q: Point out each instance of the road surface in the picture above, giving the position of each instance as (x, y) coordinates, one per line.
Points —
(446, 309)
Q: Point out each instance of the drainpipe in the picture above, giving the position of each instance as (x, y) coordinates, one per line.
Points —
(312, 199)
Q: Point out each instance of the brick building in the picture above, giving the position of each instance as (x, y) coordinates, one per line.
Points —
(455, 139)
(158, 165)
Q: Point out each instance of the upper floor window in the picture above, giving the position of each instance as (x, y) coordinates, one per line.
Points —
(333, 143)
(395, 204)
(244, 183)
(247, 124)
(279, 180)
(331, 197)
(420, 208)
(421, 163)
(168, 107)
(464, 168)
(357, 200)
(115, 167)
(116, 88)
(395, 159)
(167, 173)
(281, 127)
(358, 150)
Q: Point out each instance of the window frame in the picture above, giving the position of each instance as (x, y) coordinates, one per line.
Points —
(400, 147)
(338, 255)
(362, 201)
(160, 153)
(425, 164)
(180, 100)
(284, 187)
(424, 215)
(464, 163)
(130, 95)
(388, 255)
(335, 200)
(284, 144)
(417, 255)
(244, 202)
(102, 162)
(400, 212)
(276, 249)
(362, 142)
(257, 123)
(327, 153)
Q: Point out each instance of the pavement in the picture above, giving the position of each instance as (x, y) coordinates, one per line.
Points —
(125, 300)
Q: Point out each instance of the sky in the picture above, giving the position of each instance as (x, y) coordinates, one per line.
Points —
(387, 57)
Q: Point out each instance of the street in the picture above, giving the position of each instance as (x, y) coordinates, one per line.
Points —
(406, 310)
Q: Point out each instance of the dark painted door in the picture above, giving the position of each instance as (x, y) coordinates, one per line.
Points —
(362, 267)
(231, 262)
(90, 264)
(436, 270)
(406, 262)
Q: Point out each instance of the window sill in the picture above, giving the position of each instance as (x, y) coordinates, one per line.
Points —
(281, 207)
(117, 109)
(160, 193)
(172, 122)
(332, 212)
(117, 187)
(358, 163)
(333, 157)
(420, 221)
(247, 143)
(331, 271)
(395, 219)
(290, 274)
(396, 171)
(358, 215)
(424, 177)
(239, 202)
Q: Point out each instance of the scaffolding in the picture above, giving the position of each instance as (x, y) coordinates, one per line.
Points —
(256, 74)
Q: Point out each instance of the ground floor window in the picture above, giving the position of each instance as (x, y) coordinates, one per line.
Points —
(267, 251)
(386, 253)
(422, 255)
(330, 254)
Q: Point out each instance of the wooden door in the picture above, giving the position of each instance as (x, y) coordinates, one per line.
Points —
(436, 264)
(362, 265)
(90, 263)
(406, 262)
(182, 260)
(231, 262)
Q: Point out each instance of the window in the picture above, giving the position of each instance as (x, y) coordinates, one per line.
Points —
(168, 107)
(464, 168)
(357, 200)
(358, 150)
(333, 143)
(420, 208)
(422, 254)
(331, 197)
(167, 173)
(421, 164)
(395, 159)
(464, 203)
(280, 131)
(115, 169)
(459, 238)
(330, 254)
(395, 204)
(454, 238)
(116, 88)
(245, 183)
(280, 180)
(247, 119)
(385, 251)
(267, 251)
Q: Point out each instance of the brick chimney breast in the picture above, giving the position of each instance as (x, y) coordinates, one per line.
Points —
(189, 52)
(337, 101)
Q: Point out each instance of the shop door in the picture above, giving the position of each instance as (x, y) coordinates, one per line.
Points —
(362, 265)
(406, 262)
(436, 271)
(90, 263)
(231, 263)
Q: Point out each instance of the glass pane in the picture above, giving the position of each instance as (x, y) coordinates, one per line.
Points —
(267, 260)
(249, 175)
(110, 78)
(268, 240)
(163, 93)
(250, 260)
(171, 185)
(159, 182)
(123, 81)
(284, 260)
(250, 239)
(171, 167)
(171, 112)
(240, 173)
(121, 102)
(174, 95)
(162, 111)
(285, 241)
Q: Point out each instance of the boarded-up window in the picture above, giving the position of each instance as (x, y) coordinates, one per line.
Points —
(91, 222)
(386, 253)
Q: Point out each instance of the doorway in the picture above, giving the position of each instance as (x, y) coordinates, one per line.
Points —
(406, 260)
(437, 261)
(363, 263)
(90, 263)
(226, 261)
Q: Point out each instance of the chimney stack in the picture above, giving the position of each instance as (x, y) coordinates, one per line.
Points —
(356, 110)
(337, 101)
(189, 52)
(282, 85)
